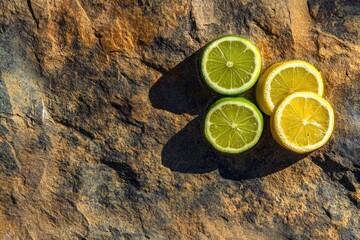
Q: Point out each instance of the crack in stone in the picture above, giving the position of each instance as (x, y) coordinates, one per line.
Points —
(193, 25)
(80, 130)
(157, 68)
(32, 12)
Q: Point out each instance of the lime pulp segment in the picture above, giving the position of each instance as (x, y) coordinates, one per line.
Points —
(230, 65)
(233, 125)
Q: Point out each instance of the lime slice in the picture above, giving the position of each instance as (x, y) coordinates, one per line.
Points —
(284, 78)
(230, 65)
(233, 125)
(302, 122)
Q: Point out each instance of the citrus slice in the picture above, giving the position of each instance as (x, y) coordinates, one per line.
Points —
(282, 79)
(233, 125)
(302, 122)
(230, 65)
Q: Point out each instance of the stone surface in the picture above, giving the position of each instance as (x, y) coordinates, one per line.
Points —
(100, 123)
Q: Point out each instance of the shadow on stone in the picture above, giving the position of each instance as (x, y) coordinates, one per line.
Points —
(187, 151)
(266, 158)
(180, 90)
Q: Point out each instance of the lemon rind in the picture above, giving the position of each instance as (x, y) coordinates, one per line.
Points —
(280, 136)
(270, 106)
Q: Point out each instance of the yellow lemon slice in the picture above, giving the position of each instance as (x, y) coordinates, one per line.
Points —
(282, 79)
(302, 122)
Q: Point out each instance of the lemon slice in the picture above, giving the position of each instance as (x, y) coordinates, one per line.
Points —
(302, 122)
(230, 65)
(233, 125)
(282, 79)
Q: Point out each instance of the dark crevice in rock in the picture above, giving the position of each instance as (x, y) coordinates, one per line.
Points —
(311, 12)
(357, 175)
(13, 199)
(354, 200)
(8, 161)
(193, 25)
(225, 218)
(140, 3)
(99, 36)
(116, 233)
(119, 162)
(134, 123)
(39, 64)
(3, 130)
(156, 67)
(124, 171)
(166, 43)
(328, 214)
(3, 28)
(345, 181)
(32, 13)
(124, 110)
(51, 217)
(265, 28)
(79, 129)
(86, 133)
(344, 175)
(329, 165)
(245, 22)
(124, 114)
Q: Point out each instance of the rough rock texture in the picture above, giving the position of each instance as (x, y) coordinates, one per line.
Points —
(100, 116)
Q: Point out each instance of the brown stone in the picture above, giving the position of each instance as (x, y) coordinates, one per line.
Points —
(101, 112)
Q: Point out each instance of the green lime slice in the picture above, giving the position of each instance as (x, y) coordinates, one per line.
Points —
(230, 65)
(233, 125)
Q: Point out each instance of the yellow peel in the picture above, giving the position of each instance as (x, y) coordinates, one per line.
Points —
(302, 122)
(282, 79)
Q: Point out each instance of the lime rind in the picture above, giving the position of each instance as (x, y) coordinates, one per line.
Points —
(233, 90)
(238, 101)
